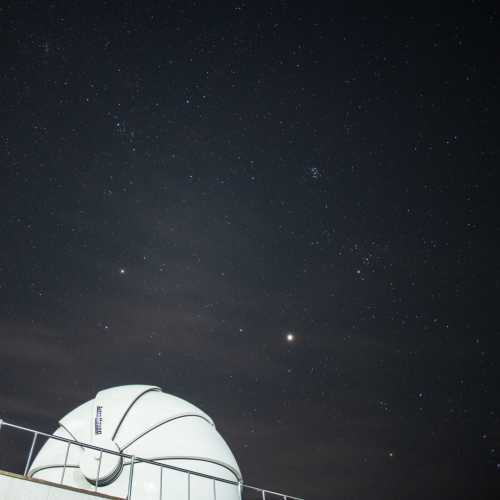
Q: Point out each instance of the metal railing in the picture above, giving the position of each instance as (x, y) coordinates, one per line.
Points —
(134, 461)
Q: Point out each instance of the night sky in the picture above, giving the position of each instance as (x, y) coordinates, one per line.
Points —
(186, 184)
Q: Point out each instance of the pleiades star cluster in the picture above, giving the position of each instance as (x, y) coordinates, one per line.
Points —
(283, 212)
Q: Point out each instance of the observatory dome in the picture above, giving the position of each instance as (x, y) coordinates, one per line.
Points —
(143, 421)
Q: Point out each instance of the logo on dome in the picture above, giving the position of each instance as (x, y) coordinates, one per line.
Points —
(98, 420)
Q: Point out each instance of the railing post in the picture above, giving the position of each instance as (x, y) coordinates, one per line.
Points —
(98, 470)
(263, 495)
(31, 453)
(213, 479)
(189, 486)
(131, 475)
(161, 479)
(65, 462)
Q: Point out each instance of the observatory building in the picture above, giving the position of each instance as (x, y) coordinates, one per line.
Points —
(133, 442)
(144, 422)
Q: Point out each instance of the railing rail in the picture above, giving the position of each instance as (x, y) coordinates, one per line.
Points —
(133, 461)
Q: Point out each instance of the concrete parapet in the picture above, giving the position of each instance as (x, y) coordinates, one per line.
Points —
(16, 487)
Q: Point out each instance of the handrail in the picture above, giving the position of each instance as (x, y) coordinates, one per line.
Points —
(133, 460)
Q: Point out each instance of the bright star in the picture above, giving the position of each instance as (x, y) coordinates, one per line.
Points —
(289, 337)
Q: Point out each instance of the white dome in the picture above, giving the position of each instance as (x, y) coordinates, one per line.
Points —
(143, 421)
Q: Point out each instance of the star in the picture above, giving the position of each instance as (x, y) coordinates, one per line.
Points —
(289, 337)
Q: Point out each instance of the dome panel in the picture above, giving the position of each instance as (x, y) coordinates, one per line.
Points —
(111, 405)
(203, 467)
(53, 453)
(72, 477)
(77, 422)
(185, 437)
(200, 488)
(151, 410)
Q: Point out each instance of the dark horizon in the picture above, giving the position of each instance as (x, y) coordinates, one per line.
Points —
(185, 185)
